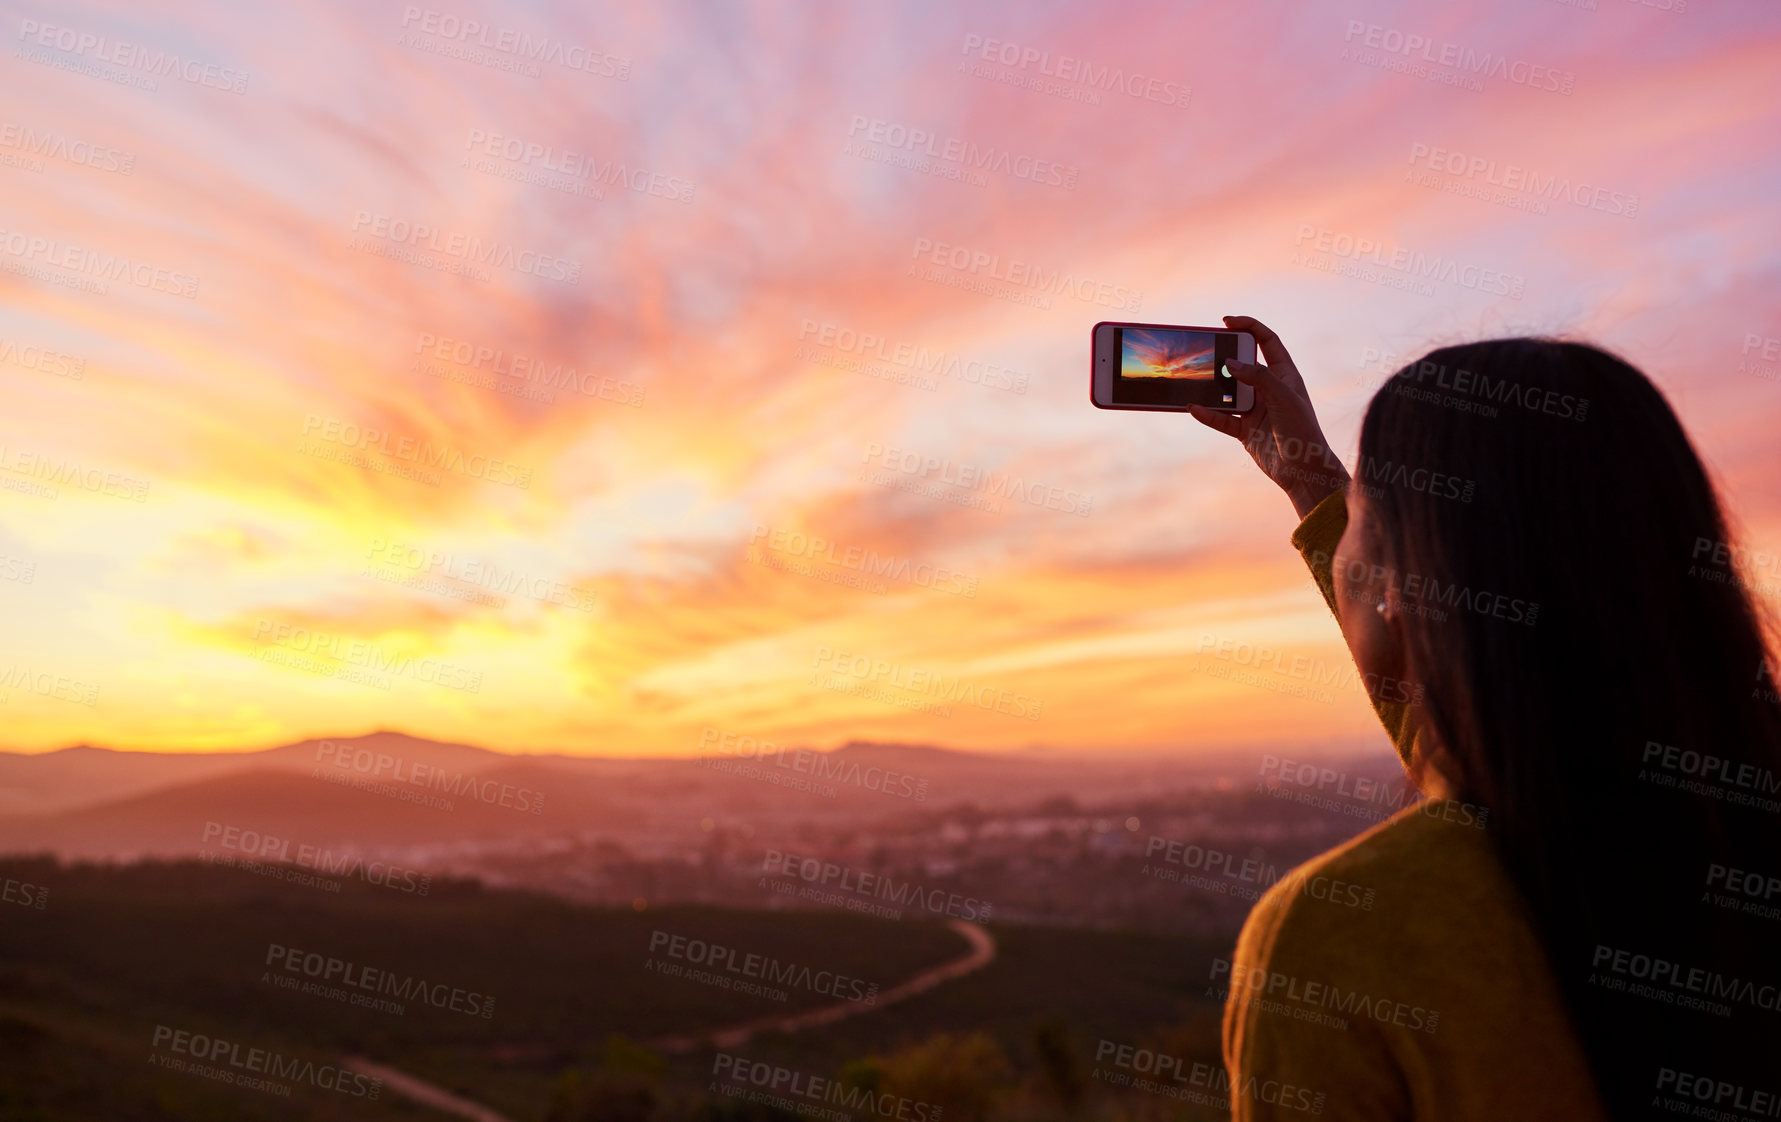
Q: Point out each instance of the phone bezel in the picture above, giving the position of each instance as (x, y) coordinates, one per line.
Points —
(1102, 359)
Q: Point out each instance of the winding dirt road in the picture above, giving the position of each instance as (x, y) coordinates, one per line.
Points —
(981, 954)
(419, 1090)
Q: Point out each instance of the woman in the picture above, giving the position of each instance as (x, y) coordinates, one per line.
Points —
(1584, 919)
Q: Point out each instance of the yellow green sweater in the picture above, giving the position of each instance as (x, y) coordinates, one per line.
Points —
(1397, 976)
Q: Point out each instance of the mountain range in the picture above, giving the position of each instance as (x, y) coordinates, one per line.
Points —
(387, 790)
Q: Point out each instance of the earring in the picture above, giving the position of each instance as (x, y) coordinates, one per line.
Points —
(1381, 609)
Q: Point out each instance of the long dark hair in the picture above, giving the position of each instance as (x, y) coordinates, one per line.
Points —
(1625, 734)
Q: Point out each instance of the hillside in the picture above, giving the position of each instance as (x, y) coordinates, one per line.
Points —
(569, 985)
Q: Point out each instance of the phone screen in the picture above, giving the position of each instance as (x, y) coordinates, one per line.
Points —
(1165, 366)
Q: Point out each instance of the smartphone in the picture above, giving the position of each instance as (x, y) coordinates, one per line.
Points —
(1162, 367)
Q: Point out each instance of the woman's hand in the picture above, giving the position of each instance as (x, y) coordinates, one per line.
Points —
(1281, 432)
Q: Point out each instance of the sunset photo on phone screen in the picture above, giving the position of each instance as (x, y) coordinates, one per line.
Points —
(1166, 354)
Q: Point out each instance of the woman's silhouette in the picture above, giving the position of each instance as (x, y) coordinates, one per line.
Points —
(1584, 920)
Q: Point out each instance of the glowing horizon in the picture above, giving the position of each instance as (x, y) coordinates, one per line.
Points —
(586, 409)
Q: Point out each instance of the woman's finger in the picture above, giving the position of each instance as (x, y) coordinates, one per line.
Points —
(1248, 372)
(1271, 347)
(1228, 423)
(1264, 379)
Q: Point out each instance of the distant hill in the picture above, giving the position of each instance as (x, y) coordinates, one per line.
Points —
(288, 804)
(86, 775)
(389, 791)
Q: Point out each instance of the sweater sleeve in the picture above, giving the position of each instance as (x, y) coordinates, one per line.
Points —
(1316, 540)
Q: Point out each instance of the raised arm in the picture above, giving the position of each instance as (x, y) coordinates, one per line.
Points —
(1281, 433)
(1283, 437)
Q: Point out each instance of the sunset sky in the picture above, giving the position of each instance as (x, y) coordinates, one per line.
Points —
(723, 359)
